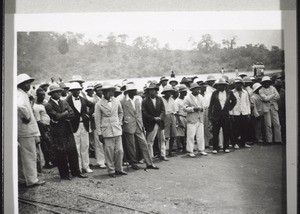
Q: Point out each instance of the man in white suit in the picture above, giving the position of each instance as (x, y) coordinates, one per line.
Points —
(108, 121)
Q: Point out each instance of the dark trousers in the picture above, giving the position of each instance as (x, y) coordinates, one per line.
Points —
(223, 123)
(240, 129)
(66, 155)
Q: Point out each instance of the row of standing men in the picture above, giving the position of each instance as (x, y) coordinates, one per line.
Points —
(166, 115)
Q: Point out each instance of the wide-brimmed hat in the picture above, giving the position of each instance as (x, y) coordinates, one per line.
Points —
(107, 85)
(77, 78)
(163, 79)
(63, 85)
(173, 80)
(226, 78)
(44, 84)
(196, 80)
(238, 80)
(97, 85)
(242, 75)
(182, 88)
(75, 86)
(185, 80)
(130, 87)
(220, 81)
(256, 86)
(231, 81)
(90, 87)
(23, 78)
(266, 79)
(210, 78)
(167, 88)
(247, 79)
(152, 85)
(194, 85)
(54, 88)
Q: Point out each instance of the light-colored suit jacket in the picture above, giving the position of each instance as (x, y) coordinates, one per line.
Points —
(108, 120)
(269, 96)
(190, 102)
(25, 111)
(132, 119)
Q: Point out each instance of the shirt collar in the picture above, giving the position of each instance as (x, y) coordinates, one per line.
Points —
(56, 101)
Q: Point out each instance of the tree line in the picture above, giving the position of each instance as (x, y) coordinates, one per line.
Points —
(51, 54)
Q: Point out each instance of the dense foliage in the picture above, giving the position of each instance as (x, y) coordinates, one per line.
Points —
(50, 54)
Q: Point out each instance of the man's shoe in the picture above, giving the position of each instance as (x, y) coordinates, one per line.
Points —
(121, 173)
(112, 175)
(247, 146)
(192, 155)
(102, 166)
(39, 183)
(82, 176)
(164, 158)
(236, 146)
(215, 152)
(152, 167)
(88, 170)
(226, 150)
(135, 167)
(126, 164)
(203, 153)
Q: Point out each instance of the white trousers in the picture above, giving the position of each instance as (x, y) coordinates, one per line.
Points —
(272, 118)
(195, 129)
(82, 146)
(161, 140)
(99, 151)
(28, 160)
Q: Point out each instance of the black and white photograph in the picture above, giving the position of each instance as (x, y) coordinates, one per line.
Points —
(151, 112)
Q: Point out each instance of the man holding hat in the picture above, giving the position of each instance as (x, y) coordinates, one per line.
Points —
(222, 101)
(80, 123)
(240, 115)
(64, 146)
(133, 128)
(169, 118)
(270, 96)
(108, 120)
(153, 110)
(194, 106)
(28, 133)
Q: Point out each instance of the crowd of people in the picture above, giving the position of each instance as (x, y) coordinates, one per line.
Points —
(119, 125)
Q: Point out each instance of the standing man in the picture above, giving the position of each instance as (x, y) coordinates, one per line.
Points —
(240, 115)
(181, 117)
(153, 110)
(80, 124)
(169, 118)
(194, 106)
(108, 120)
(64, 146)
(222, 101)
(28, 133)
(65, 92)
(43, 121)
(257, 112)
(133, 128)
(270, 96)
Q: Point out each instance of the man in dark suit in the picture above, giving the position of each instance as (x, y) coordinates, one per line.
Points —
(153, 111)
(222, 101)
(63, 140)
(133, 129)
(80, 124)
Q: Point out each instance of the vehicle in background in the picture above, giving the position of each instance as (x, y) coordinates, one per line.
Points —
(258, 69)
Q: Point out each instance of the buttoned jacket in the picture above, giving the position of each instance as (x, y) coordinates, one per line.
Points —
(191, 102)
(269, 96)
(108, 119)
(132, 116)
(25, 111)
(149, 112)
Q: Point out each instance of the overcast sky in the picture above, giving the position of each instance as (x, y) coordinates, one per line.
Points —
(174, 28)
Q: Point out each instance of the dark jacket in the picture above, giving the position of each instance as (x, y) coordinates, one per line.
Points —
(84, 115)
(215, 111)
(60, 117)
(149, 112)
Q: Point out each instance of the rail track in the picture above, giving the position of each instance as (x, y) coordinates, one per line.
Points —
(85, 199)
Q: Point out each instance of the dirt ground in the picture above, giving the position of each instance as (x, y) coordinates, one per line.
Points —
(243, 181)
